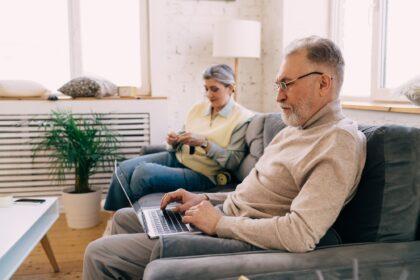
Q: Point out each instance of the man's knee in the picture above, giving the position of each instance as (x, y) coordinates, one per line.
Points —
(93, 254)
(120, 218)
(141, 179)
(156, 250)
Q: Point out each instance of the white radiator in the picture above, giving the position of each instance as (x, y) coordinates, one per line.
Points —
(22, 175)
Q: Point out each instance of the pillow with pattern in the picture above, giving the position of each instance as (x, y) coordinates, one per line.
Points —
(89, 87)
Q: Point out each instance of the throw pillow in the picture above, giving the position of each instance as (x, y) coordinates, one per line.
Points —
(253, 138)
(273, 124)
(387, 202)
(260, 132)
(89, 87)
(21, 88)
(411, 89)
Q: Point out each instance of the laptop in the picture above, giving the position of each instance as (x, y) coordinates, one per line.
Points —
(155, 222)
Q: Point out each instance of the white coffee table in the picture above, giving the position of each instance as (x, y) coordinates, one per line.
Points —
(22, 226)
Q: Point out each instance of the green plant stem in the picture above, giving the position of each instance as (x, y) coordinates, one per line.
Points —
(82, 181)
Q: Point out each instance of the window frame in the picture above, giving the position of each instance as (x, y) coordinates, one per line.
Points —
(76, 64)
(378, 15)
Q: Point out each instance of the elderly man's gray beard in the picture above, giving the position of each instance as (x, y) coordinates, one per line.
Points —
(298, 115)
(293, 119)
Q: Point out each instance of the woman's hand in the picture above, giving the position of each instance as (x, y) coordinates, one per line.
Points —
(191, 139)
(172, 138)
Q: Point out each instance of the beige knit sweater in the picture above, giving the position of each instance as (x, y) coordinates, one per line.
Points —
(299, 185)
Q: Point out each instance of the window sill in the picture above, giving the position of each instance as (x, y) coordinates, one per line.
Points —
(381, 106)
(68, 98)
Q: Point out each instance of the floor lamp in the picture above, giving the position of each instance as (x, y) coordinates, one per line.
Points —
(237, 39)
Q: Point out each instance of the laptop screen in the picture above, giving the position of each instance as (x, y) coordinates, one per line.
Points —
(136, 206)
(120, 182)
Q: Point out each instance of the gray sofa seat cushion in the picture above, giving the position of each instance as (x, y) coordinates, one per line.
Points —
(387, 202)
(151, 149)
(266, 262)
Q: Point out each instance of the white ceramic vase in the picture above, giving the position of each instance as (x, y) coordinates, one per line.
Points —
(82, 209)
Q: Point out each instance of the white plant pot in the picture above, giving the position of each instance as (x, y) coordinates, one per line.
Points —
(82, 209)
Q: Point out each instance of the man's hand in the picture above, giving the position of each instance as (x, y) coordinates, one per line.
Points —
(204, 216)
(172, 138)
(187, 199)
(191, 139)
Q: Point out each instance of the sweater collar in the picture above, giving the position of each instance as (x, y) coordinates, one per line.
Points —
(225, 110)
(329, 113)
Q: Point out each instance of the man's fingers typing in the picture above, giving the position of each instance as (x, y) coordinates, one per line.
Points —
(166, 199)
(189, 212)
(187, 219)
(170, 197)
(183, 207)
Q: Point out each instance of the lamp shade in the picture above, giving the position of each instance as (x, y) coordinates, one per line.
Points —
(237, 38)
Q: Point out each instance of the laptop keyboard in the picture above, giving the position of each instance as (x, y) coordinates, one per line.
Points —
(167, 221)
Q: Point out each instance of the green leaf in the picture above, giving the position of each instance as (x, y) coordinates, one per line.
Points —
(83, 144)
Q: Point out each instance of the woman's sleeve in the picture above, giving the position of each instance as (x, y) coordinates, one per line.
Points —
(231, 157)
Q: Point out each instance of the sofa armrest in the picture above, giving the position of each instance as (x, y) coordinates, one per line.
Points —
(273, 262)
(151, 149)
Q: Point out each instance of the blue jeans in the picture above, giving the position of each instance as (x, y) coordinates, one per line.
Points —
(160, 172)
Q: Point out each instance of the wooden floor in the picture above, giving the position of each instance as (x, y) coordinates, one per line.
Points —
(68, 246)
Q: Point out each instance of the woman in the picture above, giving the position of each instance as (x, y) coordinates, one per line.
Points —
(213, 141)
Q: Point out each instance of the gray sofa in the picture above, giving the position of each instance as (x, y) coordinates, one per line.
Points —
(379, 229)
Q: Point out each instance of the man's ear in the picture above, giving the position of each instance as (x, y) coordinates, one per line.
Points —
(325, 85)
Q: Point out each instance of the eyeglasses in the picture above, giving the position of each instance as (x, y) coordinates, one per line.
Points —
(283, 85)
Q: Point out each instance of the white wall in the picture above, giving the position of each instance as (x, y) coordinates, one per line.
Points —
(181, 48)
(272, 48)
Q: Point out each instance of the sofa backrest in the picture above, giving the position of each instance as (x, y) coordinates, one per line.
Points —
(386, 206)
(260, 132)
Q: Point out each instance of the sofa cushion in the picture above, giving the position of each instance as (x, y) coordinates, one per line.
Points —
(254, 141)
(259, 134)
(254, 135)
(386, 204)
(272, 125)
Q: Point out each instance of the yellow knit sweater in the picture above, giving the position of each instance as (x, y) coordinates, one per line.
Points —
(219, 131)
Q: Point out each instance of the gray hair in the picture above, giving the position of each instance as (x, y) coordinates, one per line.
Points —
(221, 73)
(320, 51)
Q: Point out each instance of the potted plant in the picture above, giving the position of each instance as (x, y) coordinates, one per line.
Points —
(83, 145)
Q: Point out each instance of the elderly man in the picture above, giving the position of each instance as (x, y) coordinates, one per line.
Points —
(291, 197)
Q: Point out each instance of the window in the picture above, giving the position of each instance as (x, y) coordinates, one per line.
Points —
(34, 45)
(402, 57)
(379, 44)
(52, 41)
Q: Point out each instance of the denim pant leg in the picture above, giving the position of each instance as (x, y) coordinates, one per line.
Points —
(150, 177)
(116, 199)
(159, 172)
